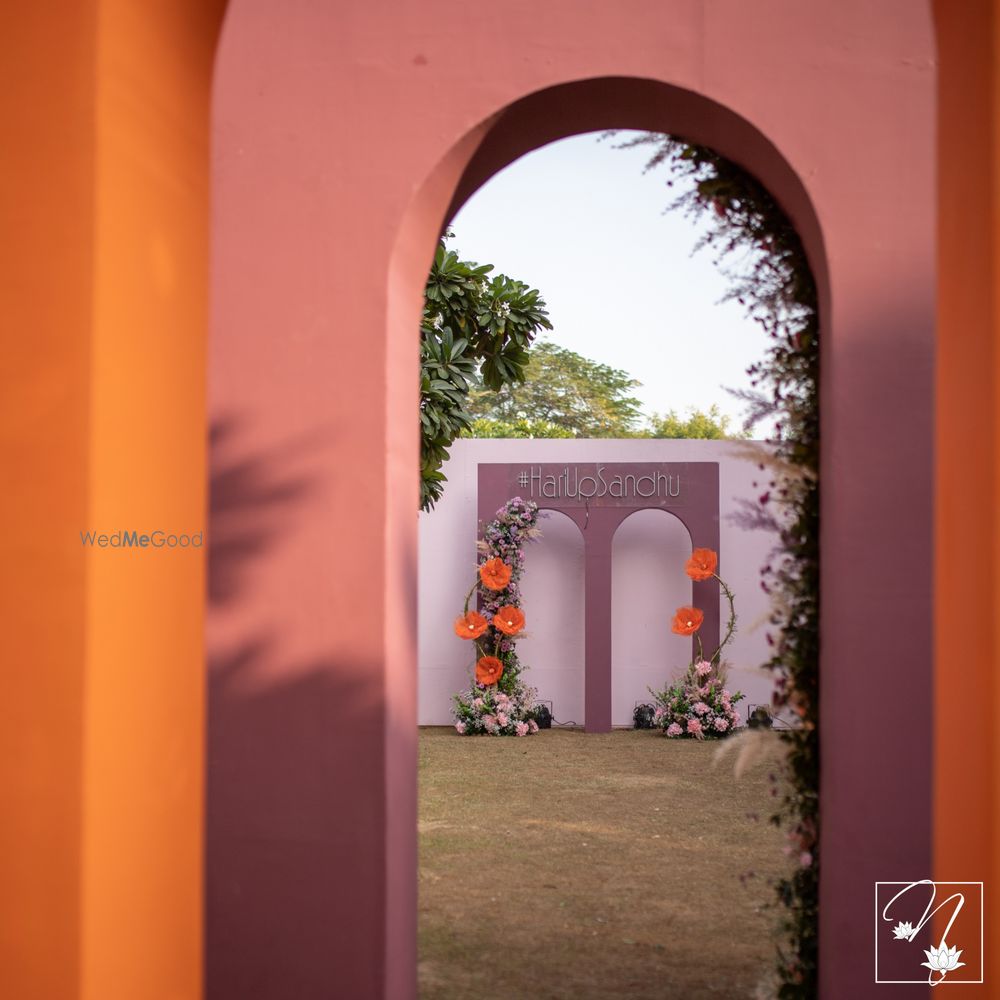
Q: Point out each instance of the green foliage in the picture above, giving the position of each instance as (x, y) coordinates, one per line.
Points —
(567, 391)
(773, 280)
(474, 329)
(483, 427)
(568, 396)
(711, 425)
(478, 379)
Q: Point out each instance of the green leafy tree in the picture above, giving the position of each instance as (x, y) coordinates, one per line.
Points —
(564, 390)
(484, 427)
(475, 329)
(711, 425)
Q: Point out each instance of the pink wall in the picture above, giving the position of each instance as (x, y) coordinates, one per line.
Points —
(650, 549)
(341, 134)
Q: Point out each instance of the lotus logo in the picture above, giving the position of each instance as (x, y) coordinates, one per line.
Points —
(909, 912)
(943, 960)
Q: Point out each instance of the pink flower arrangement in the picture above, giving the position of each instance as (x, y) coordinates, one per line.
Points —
(496, 713)
(699, 706)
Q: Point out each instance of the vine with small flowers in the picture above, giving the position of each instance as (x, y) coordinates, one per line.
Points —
(773, 280)
(498, 703)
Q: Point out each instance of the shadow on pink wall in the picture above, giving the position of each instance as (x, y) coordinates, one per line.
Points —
(282, 732)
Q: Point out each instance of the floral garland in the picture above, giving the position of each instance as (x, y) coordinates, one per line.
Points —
(498, 702)
(700, 706)
(774, 282)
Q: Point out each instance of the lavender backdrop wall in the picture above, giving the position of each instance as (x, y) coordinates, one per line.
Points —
(648, 583)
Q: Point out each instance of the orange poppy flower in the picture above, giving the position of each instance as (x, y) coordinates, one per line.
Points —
(702, 564)
(488, 670)
(471, 625)
(687, 621)
(509, 620)
(495, 574)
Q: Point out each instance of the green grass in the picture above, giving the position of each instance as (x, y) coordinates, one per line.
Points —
(592, 866)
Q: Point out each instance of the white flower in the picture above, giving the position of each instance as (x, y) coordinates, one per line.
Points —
(902, 930)
(942, 959)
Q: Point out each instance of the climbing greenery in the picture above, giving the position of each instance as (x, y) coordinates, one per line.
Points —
(761, 253)
(474, 328)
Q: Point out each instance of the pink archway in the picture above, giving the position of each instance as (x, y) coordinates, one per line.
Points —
(317, 287)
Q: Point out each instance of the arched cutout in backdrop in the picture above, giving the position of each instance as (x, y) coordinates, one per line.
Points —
(553, 648)
(648, 553)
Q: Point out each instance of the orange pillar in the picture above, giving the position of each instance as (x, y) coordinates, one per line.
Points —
(46, 213)
(967, 529)
(104, 208)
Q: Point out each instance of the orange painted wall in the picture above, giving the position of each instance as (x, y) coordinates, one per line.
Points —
(105, 154)
(967, 591)
(46, 259)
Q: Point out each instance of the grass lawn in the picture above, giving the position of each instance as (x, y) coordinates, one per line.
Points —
(592, 866)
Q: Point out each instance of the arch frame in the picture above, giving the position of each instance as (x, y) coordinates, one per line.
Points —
(280, 111)
(695, 504)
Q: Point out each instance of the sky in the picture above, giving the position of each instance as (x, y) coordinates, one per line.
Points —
(581, 222)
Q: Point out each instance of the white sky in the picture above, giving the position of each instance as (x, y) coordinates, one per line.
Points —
(579, 221)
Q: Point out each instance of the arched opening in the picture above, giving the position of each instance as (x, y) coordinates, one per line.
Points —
(765, 686)
(648, 548)
(553, 588)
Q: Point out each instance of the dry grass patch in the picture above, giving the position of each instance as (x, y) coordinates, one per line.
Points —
(591, 866)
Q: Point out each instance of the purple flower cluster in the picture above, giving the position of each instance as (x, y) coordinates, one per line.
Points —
(505, 536)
